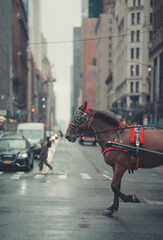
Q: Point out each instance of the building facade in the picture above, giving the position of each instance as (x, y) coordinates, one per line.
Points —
(19, 58)
(76, 76)
(88, 56)
(131, 49)
(157, 60)
(103, 58)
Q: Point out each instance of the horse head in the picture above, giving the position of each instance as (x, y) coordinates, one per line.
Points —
(79, 123)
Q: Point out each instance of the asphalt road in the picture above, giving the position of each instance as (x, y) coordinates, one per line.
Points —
(69, 204)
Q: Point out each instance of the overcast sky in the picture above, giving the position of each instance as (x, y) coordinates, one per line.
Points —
(57, 21)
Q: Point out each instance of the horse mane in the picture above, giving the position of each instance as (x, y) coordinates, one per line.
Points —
(107, 117)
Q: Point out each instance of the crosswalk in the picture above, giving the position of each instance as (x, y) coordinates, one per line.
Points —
(56, 175)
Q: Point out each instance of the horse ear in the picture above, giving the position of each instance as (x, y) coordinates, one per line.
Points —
(84, 106)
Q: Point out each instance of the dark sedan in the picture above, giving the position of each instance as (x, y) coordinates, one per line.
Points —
(15, 152)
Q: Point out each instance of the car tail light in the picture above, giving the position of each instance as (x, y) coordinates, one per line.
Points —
(94, 138)
(83, 138)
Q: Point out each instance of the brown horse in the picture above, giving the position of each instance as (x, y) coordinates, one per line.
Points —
(104, 126)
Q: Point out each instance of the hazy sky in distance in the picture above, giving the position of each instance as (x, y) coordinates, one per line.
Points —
(58, 17)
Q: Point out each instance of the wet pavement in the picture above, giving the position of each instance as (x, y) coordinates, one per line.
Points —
(69, 204)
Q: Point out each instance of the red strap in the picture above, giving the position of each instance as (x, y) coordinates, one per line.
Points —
(141, 136)
(87, 109)
(132, 133)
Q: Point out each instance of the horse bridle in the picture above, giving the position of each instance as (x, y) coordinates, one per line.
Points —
(81, 121)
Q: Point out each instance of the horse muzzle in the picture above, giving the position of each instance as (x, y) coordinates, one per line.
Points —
(70, 139)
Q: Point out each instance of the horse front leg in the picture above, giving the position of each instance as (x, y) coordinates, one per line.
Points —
(114, 207)
(118, 172)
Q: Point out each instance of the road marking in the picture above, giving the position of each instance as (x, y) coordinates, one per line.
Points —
(17, 175)
(85, 176)
(39, 176)
(106, 176)
(1, 173)
(153, 202)
(63, 176)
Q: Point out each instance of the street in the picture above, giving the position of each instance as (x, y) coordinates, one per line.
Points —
(69, 204)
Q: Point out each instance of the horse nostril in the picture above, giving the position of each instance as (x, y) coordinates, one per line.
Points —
(67, 137)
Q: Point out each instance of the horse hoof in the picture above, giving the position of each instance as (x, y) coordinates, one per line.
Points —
(135, 199)
(108, 212)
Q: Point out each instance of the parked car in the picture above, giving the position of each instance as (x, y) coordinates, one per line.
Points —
(87, 138)
(33, 132)
(15, 152)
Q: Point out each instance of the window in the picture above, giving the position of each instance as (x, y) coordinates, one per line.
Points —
(109, 54)
(132, 70)
(134, 3)
(150, 36)
(150, 18)
(131, 87)
(132, 18)
(151, 3)
(138, 18)
(138, 36)
(139, 2)
(110, 29)
(110, 46)
(132, 36)
(132, 53)
(137, 52)
(137, 87)
(110, 20)
(137, 70)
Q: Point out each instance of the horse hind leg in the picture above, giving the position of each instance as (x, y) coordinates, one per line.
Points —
(124, 197)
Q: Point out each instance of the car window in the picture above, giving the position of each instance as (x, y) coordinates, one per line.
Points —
(33, 134)
(7, 144)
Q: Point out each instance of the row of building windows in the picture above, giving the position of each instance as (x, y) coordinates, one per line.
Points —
(134, 70)
(135, 52)
(135, 34)
(135, 18)
(136, 3)
(134, 87)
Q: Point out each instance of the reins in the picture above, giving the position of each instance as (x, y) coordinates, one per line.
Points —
(82, 121)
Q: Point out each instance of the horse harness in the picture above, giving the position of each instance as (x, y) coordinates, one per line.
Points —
(81, 121)
(136, 139)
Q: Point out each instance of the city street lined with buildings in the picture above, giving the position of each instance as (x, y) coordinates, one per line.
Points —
(70, 202)
(55, 56)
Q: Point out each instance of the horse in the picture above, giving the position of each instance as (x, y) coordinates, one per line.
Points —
(106, 127)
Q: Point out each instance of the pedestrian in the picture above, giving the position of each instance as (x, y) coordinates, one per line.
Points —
(43, 156)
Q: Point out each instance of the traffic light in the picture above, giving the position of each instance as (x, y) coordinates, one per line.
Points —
(33, 110)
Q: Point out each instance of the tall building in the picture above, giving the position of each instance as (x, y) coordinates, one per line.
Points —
(95, 8)
(89, 60)
(5, 57)
(104, 58)
(19, 58)
(35, 31)
(157, 59)
(131, 48)
(76, 68)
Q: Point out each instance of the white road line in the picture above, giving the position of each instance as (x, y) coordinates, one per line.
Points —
(153, 202)
(85, 176)
(1, 173)
(39, 176)
(63, 176)
(106, 172)
(106, 176)
(17, 175)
